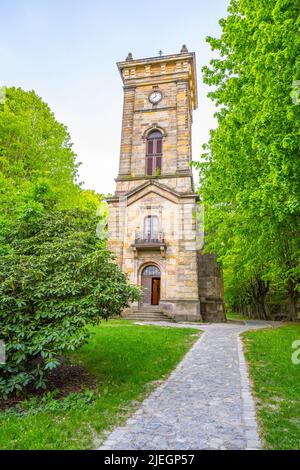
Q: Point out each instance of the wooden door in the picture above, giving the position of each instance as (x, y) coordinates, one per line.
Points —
(155, 290)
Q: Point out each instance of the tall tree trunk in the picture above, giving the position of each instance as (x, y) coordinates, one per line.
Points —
(292, 300)
(260, 289)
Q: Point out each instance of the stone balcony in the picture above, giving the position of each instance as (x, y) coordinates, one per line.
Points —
(149, 241)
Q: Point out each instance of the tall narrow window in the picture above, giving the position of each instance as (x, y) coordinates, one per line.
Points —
(151, 227)
(154, 153)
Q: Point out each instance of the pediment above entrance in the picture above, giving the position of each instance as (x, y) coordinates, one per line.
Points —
(153, 191)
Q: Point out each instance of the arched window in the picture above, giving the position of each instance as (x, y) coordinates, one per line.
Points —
(151, 227)
(151, 271)
(154, 153)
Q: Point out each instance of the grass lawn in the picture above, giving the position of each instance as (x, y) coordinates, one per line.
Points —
(126, 360)
(276, 382)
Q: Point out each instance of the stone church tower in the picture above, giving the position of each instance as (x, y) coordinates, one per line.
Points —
(152, 225)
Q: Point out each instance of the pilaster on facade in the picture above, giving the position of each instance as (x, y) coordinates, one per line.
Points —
(127, 129)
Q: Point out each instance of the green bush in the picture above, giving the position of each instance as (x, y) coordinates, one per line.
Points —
(55, 279)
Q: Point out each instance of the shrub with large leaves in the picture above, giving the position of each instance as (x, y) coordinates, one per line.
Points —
(55, 280)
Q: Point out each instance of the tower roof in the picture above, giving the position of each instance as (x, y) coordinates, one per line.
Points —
(160, 69)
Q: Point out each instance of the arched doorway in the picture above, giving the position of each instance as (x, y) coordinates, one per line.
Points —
(151, 285)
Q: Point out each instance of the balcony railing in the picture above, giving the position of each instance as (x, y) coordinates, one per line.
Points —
(151, 238)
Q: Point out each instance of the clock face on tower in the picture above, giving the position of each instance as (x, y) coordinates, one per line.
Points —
(155, 97)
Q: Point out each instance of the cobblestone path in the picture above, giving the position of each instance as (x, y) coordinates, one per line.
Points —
(206, 402)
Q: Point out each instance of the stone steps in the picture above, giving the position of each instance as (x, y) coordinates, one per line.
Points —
(147, 315)
(155, 309)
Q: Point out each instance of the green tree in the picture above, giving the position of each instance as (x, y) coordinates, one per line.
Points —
(36, 156)
(250, 173)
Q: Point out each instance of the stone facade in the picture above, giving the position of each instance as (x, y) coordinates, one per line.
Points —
(166, 197)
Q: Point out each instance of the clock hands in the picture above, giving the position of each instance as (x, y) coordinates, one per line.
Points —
(155, 97)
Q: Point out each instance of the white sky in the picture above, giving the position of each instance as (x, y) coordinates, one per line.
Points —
(66, 50)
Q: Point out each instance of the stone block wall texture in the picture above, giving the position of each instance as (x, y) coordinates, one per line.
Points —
(175, 79)
(210, 281)
(178, 264)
